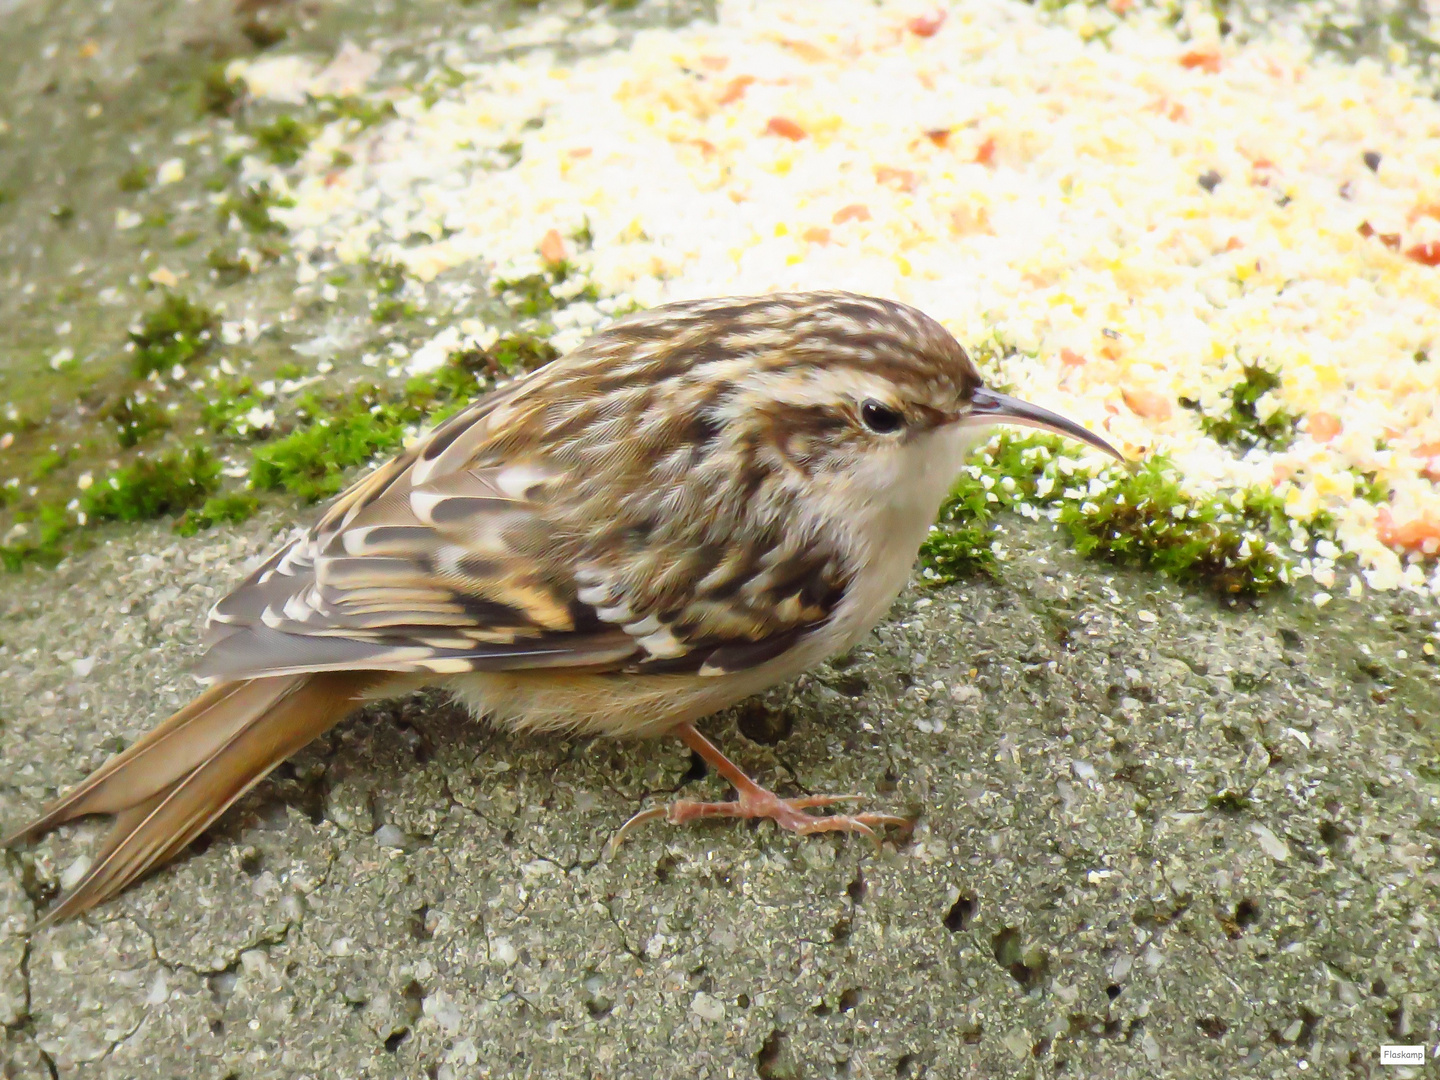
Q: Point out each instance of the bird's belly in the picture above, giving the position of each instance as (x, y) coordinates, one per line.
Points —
(605, 703)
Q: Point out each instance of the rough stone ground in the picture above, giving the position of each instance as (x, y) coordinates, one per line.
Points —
(1205, 844)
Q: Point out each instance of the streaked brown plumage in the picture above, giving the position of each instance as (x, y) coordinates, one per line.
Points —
(701, 501)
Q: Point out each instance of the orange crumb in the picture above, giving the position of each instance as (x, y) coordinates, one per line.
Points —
(985, 154)
(1431, 470)
(1120, 7)
(926, 25)
(1233, 244)
(1207, 60)
(1147, 403)
(552, 248)
(938, 136)
(853, 212)
(1071, 358)
(581, 151)
(1424, 254)
(816, 235)
(714, 63)
(1417, 534)
(965, 220)
(1323, 426)
(735, 89)
(785, 128)
(805, 49)
(899, 179)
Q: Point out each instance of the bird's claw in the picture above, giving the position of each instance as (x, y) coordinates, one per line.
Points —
(789, 814)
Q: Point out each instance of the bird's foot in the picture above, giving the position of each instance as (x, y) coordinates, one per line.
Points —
(754, 801)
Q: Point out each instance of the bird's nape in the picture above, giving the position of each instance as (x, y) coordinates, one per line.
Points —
(993, 407)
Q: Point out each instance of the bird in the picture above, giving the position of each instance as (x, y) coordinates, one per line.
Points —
(702, 500)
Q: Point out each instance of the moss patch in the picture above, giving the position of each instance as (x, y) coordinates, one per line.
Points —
(136, 418)
(1138, 516)
(218, 509)
(153, 487)
(251, 208)
(174, 332)
(1240, 425)
(1144, 519)
(284, 138)
(311, 463)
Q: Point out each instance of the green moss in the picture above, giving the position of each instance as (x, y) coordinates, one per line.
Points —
(174, 332)
(1136, 517)
(135, 178)
(151, 487)
(533, 296)
(517, 353)
(1372, 488)
(1145, 519)
(228, 264)
(388, 280)
(136, 418)
(387, 277)
(219, 509)
(42, 541)
(251, 207)
(263, 32)
(284, 138)
(224, 402)
(363, 111)
(218, 94)
(959, 546)
(1240, 425)
(47, 464)
(389, 309)
(311, 463)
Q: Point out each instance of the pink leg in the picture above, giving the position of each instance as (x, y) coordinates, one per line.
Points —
(755, 801)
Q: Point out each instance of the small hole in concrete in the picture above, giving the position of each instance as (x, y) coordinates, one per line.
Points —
(419, 924)
(1112, 991)
(698, 770)
(764, 725)
(849, 999)
(1247, 913)
(857, 888)
(768, 1062)
(961, 913)
(395, 1038)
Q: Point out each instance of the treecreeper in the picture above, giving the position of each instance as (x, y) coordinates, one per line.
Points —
(700, 501)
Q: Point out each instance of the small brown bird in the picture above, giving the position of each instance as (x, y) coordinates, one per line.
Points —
(701, 501)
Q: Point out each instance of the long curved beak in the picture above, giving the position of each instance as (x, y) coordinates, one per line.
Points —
(990, 407)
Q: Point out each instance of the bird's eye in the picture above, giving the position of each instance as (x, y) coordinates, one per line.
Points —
(880, 418)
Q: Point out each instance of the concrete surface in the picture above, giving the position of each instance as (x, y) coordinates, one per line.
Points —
(1200, 846)
(1205, 844)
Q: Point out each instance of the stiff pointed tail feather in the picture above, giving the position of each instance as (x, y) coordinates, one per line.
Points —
(168, 787)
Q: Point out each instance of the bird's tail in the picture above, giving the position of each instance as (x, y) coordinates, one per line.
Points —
(171, 784)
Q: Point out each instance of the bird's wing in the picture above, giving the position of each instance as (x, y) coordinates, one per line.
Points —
(475, 551)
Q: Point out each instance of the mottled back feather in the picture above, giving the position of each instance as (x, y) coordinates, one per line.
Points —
(586, 515)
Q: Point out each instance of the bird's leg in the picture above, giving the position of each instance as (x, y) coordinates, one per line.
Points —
(754, 801)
